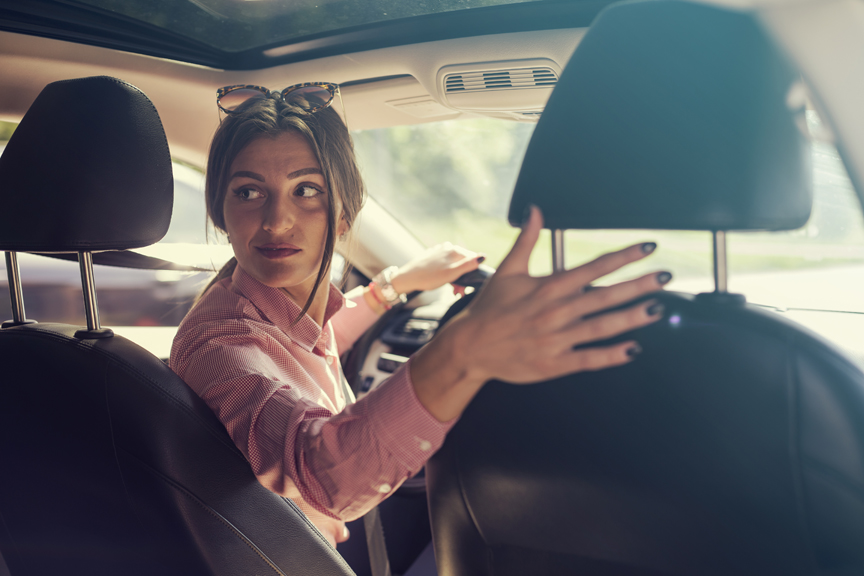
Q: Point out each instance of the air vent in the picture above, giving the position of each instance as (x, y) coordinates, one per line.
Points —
(504, 89)
(494, 80)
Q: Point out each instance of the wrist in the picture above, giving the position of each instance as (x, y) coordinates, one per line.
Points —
(384, 290)
(444, 375)
(397, 280)
(373, 299)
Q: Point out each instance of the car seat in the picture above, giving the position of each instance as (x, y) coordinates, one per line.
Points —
(109, 463)
(734, 443)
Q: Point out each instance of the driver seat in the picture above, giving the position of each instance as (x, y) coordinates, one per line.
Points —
(110, 463)
(733, 444)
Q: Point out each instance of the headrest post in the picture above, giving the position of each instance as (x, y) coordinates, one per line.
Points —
(558, 250)
(91, 309)
(15, 292)
(720, 270)
(85, 263)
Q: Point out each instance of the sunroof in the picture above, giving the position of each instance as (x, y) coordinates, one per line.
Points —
(255, 34)
(239, 25)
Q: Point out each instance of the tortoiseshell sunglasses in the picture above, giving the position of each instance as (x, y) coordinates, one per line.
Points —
(310, 96)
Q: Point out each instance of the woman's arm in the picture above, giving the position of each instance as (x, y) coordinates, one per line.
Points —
(436, 267)
(269, 399)
(522, 329)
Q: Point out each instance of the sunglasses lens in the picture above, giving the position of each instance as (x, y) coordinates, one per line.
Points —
(309, 97)
(235, 98)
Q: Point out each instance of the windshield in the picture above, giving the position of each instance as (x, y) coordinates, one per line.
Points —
(451, 181)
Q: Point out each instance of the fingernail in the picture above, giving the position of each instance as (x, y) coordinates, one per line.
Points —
(655, 309)
(663, 278)
(526, 215)
(649, 247)
(481, 259)
(634, 351)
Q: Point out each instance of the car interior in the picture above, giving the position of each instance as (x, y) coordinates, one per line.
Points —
(733, 445)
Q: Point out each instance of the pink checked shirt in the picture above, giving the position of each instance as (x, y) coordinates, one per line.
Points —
(277, 389)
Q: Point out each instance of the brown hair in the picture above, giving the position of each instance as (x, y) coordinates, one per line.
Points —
(329, 140)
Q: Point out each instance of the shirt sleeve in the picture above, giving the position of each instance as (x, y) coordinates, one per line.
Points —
(355, 317)
(340, 464)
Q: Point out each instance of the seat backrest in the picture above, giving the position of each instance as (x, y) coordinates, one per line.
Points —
(734, 444)
(110, 463)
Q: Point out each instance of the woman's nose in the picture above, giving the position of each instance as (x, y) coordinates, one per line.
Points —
(279, 215)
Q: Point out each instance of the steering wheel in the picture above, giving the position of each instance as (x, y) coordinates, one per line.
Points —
(354, 360)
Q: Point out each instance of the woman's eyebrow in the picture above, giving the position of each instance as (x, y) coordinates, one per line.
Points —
(304, 172)
(247, 174)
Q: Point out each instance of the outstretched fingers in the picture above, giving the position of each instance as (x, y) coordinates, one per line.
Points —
(575, 307)
(608, 325)
(516, 261)
(606, 297)
(577, 278)
(600, 357)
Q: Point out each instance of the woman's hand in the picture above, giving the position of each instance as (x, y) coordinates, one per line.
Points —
(437, 266)
(522, 329)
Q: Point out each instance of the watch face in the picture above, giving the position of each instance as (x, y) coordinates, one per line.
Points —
(390, 295)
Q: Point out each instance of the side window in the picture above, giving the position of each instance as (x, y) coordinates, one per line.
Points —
(52, 288)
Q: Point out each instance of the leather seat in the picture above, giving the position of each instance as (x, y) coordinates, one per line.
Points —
(734, 444)
(110, 463)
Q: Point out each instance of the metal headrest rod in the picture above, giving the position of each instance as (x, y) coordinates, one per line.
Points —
(91, 308)
(558, 250)
(721, 294)
(720, 267)
(15, 292)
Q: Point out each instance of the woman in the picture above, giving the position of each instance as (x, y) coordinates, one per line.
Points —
(261, 346)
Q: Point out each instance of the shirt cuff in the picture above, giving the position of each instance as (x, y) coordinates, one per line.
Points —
(402, 423)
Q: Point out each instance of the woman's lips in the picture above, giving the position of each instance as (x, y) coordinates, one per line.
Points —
(277, 251)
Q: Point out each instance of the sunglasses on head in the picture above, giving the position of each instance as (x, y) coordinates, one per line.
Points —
(310, 96)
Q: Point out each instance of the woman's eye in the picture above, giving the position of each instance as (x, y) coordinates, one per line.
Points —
(247, 194)
(307, 191)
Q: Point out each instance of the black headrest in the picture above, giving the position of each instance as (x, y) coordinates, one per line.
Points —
(670, 115)
(88, 168)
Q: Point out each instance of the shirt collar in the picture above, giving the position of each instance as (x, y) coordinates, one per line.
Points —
(279, 309)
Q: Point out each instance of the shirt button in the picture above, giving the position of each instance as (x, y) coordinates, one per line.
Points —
(384, 488)
(330, 360)
(425, 445)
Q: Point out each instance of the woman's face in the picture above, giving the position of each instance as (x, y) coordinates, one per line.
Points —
(276, 213)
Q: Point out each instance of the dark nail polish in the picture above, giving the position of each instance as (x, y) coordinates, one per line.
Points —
(649, 247)
(526, 214)
(481, 259)
(663, 278)
(655, 309)
(634, 351)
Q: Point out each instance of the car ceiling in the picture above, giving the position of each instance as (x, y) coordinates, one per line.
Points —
(385, 62)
